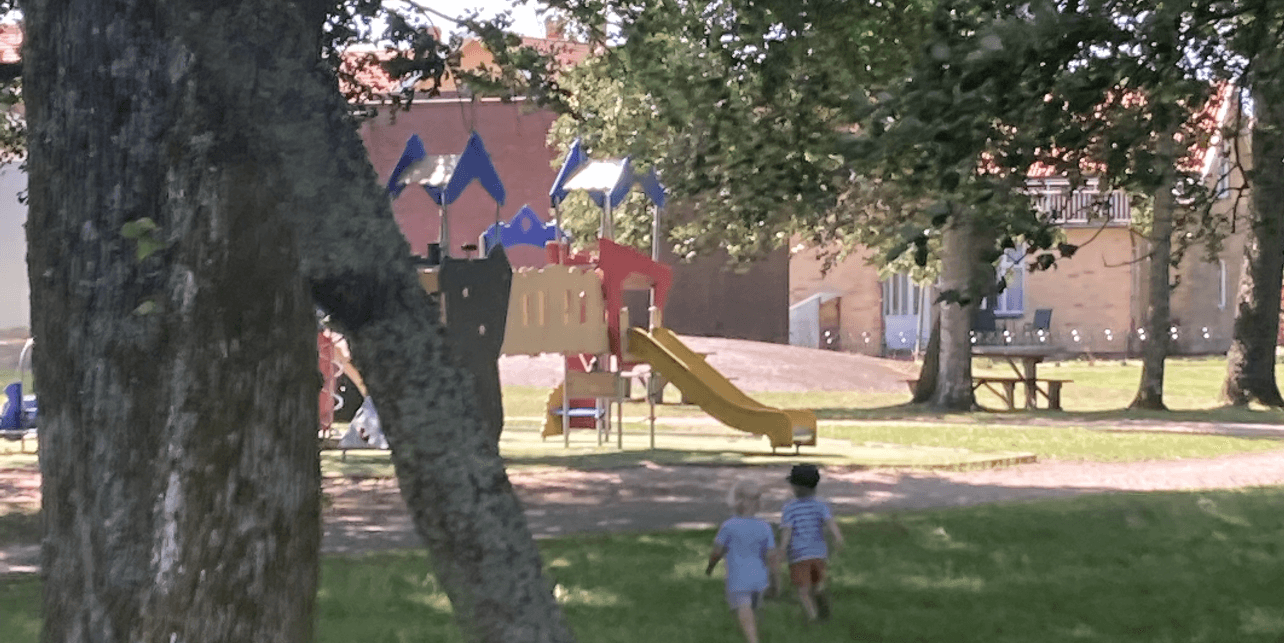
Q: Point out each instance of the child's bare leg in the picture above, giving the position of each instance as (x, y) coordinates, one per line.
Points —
(748, 624)
(821, 600)
(808, 602)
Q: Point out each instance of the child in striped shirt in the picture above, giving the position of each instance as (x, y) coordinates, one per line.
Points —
(803, 523)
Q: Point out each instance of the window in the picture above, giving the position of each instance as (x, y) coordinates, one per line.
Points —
(1221, 284)
(1223, 177)
(1011, 302)
(901, 295)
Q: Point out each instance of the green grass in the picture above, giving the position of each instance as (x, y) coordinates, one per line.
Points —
(20, 526)
(13, 457)
(1143, 568)
(10, 374)
(1100, 392)
(1096, 399)
(1058, 442)
(20, 608)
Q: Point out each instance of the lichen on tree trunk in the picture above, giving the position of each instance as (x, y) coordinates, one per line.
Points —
(180, 482)
(1250, 370)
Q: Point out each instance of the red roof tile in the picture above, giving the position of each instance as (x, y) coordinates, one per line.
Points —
(363, 63)
(10, 42)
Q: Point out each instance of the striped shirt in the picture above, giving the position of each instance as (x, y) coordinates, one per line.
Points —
(806, 518)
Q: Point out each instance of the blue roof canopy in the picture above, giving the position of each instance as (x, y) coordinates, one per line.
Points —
(650, 183)
(575, 157)
(611, 177)
(445, 176)
(525, 228)
(411, 156)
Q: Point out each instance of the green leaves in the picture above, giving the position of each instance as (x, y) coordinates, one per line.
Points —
(143, 232)
(747, 109)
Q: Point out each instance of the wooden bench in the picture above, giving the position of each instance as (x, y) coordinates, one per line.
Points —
(1007, 389)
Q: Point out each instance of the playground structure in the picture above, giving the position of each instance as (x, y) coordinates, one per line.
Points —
(19, 411)
(573, 306)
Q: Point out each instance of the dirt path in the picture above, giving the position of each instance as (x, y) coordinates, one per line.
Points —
(370, 515)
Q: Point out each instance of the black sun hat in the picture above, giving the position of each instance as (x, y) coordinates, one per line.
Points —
(804, 475)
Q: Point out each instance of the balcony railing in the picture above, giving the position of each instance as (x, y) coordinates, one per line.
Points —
(1083, 206)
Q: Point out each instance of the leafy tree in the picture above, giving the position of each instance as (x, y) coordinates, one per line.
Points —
(774, 124)
(742, 105)
(1251, 365)
(196, 185)
(1095, 88)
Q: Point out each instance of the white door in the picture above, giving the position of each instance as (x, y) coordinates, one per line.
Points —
(804, 322)
(903, 329)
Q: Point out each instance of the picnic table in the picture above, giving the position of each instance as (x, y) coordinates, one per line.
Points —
(1024, 361)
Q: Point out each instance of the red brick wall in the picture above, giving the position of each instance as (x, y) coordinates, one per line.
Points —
(708, 298)
(515, 139)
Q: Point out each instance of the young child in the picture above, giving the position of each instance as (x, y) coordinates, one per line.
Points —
(803, 522)
(749, 545)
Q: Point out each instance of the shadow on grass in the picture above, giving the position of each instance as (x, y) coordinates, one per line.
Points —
(668, 457)
(1116, 567)
(377, 464)
(20, 528)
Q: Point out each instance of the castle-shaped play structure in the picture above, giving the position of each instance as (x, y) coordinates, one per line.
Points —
(573, 306)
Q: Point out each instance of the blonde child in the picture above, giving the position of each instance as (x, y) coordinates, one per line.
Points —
(803, 523)
(748, 544)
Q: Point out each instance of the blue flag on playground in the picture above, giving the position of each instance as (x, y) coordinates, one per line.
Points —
(473, 164)
(650, 183)
(413, 154)
(575, 157)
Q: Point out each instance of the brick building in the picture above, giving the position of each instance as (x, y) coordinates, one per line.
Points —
(709, 297)
(1097, 298)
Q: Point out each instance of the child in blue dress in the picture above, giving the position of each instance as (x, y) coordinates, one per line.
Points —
(749, 545)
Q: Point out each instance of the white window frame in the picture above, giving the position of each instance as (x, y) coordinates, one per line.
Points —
(1223, 177)
(1221, 284)
(1011, 302)
(901, 295)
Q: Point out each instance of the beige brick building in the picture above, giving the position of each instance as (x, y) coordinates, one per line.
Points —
(1097, 298)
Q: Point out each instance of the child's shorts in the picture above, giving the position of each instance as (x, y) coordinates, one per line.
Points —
(806, 573)
(738, 600)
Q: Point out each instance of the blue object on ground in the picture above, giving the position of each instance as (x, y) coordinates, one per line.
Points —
(11, 413)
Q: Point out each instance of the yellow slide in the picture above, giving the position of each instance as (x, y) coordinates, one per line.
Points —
(715, 394)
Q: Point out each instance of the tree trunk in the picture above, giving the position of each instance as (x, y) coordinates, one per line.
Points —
(958, 277)
(360, 269)
(925, 388)
(251, 70)
(1154, 351)
(177, 368)
(1250, 369)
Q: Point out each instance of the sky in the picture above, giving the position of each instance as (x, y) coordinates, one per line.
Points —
(15, 309)
(525, 21)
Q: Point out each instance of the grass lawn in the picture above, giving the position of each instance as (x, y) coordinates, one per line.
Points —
(1055, 442)
(1101, 391)
(1125, 567)
(1096, 400)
